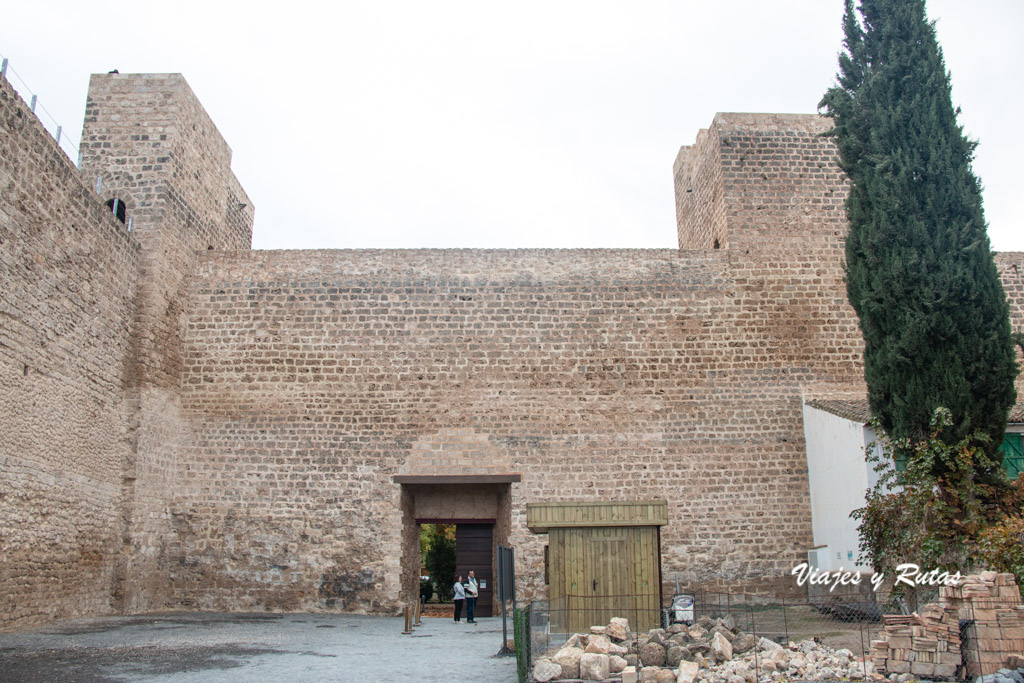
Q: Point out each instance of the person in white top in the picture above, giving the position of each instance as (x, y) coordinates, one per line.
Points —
(458, 597)
(472, 591)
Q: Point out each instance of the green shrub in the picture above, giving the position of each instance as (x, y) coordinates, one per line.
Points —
(426, 590)
(521, 634)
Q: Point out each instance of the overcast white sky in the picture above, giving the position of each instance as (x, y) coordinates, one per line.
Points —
(477, 124)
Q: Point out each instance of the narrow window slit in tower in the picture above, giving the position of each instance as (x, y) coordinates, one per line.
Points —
(119, 210)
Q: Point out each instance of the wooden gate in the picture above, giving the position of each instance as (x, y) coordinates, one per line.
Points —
(474, 547)
(603, 561)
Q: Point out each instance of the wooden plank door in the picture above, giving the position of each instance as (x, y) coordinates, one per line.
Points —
(608, 579)
(474, 550)
(599, 573)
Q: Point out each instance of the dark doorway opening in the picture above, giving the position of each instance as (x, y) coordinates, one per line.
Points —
(480, 508)
(474, 550)
(118, 208)
(473, 546)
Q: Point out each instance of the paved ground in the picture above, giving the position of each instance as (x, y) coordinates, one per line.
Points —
(295, 648)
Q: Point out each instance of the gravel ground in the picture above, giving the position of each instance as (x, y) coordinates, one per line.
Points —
(211, 647)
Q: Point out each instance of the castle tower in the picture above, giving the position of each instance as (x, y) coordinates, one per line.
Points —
(157, 160)
(159, 163)
(760, 184)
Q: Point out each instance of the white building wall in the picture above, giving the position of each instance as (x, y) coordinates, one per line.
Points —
(839, 476)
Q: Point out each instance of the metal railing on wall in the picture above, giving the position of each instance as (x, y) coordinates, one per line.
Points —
(52, 126)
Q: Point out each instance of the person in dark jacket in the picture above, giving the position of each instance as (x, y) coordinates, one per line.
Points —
(472, 591)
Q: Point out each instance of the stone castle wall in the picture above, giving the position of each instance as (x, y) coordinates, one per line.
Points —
(149, 140)
(68, 273)
(92, 336)
(254, 407)
(1011, 271)
(311, 378)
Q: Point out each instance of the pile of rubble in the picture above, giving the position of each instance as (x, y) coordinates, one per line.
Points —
(712, 651)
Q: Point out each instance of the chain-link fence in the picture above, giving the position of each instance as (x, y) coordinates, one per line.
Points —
(847, 621)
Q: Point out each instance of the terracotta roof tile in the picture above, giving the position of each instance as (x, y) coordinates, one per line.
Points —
(858, 409)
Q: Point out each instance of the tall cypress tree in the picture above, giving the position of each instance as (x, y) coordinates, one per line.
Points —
(919, 270)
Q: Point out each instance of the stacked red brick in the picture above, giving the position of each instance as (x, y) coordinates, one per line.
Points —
(993, 603)
(926, 644)
(929, 644)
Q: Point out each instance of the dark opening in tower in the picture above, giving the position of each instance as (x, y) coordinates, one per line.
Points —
(118, 208)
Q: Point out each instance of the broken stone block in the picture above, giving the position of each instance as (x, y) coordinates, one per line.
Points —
(687, 672)
(545, 670)
(721, 647)
(726, 633)
(569, 659)
(594, 666)
(676, 654)
(598, 645)
(619, 628)
(742, 643)
(652, 654)
(665, 676)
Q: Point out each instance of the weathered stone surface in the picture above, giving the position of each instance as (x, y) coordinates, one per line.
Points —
(649, 674)
(569, 659)
(724, 632)
(665, 676)
(652, 654)
(233, 419)
(594, 666)
(743, 643)
(629, 674)
(721, 648)
(616, 664)
(546, 670)
(598, 644)
(765, 645)
(680, 639)
(687, 672)
(618, 628)
(676, 654)
(698, 631)
(657, 635)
